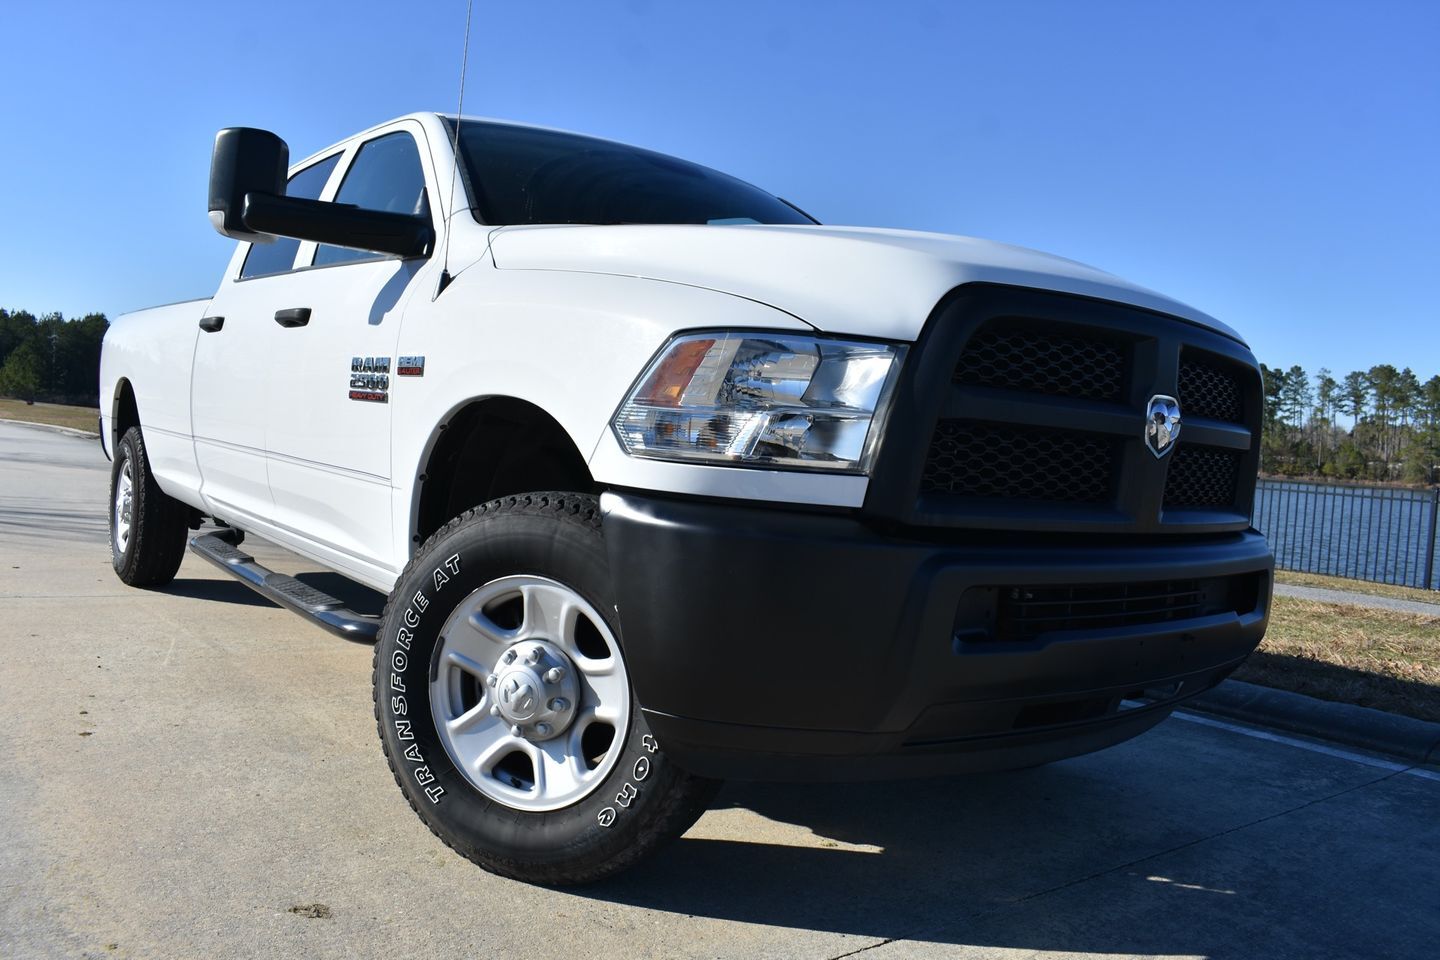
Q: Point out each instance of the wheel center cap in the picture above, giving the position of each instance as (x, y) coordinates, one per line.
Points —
(535, 690)
(519, 700)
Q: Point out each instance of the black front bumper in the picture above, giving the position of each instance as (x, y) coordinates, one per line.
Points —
(770, 644)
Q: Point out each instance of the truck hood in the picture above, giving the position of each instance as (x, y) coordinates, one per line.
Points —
(859, 281)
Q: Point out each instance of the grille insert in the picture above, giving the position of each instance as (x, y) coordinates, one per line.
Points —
(1208, 390)
(1042, 362)
(1202, 477)
(1023, 613)
(977, 460)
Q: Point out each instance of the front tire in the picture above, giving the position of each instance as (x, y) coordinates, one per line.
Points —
(503, 703)
(148, 527)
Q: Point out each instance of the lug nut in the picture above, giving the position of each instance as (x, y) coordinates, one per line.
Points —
(554, 675)
(491, 680)
(543, 729)
(559, 704)
(535, 654)
(495, 711)
(515, 730)
(509, 656)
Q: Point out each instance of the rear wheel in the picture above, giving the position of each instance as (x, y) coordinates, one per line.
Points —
(147, 526)
(504, 705)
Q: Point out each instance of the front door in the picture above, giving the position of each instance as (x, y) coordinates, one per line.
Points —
(333, 366)
(231, 374)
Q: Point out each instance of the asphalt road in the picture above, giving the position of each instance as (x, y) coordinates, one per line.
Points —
(195, 773)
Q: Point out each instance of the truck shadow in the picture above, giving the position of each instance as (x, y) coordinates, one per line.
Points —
(1333, 681)
(957, 861)
(218, 591)
(359, 598)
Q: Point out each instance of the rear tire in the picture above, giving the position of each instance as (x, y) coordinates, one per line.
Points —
(548, 773)
(148, 527)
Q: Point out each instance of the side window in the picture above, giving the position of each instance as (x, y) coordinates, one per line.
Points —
(278, 255)
(386, 175)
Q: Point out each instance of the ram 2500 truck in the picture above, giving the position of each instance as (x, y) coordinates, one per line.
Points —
(666, 482)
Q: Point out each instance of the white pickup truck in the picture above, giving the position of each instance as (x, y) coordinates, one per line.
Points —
(667, 482)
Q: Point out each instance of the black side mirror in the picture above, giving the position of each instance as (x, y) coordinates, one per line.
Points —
(245, 161)
(248, 202)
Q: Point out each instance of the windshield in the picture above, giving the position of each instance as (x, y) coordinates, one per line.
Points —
(523, 175)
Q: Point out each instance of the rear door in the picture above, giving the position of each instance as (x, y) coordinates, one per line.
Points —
(333, 367)
(231, 374)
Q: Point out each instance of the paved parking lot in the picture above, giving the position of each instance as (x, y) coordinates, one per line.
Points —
(194, 772)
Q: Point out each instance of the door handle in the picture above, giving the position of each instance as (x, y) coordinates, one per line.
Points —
(294, 317)
(212, 324)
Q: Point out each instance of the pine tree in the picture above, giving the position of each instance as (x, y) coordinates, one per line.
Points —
(20, 377)
(1327, 394)
(1356, 394)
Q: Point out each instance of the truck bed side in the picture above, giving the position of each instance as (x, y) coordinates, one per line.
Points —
(149, 353)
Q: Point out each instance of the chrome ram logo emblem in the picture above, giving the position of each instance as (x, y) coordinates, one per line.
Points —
(1162, 424)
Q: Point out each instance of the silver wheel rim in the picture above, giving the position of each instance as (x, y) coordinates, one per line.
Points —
(530, 695)
(124, 507)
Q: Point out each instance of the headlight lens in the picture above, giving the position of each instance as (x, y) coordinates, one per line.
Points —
(764, 399)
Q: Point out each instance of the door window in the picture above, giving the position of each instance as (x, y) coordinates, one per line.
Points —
(278, 255)
(385, 175)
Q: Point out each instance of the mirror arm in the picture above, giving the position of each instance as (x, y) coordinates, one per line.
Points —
(342, 225)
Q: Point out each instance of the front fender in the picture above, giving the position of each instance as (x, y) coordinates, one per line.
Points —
(572, 344)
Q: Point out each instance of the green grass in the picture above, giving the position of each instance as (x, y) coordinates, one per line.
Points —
(57, 414)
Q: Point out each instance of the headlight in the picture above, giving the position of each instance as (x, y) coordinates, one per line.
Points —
(763, 399)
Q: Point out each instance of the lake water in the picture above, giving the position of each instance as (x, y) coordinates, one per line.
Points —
(1382, 534)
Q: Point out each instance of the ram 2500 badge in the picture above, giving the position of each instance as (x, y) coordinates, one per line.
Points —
(668, 483)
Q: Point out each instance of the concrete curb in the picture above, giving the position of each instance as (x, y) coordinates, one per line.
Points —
(1404, 737)
(54, 428)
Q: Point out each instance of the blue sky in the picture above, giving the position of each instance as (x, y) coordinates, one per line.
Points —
(1275, 164)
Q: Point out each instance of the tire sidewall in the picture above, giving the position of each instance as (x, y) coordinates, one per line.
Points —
(500, 542)
(125, 452)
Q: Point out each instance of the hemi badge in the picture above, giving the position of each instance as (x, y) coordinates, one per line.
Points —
(410, 367)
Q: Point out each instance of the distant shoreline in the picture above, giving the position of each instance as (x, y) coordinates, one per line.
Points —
(1338, 482)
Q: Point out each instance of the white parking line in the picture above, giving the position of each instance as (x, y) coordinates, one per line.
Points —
(1361, 758)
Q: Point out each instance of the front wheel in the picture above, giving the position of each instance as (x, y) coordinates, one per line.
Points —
(504, 705)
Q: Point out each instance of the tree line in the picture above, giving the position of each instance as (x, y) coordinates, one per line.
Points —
(1394, 431)
(50, 358)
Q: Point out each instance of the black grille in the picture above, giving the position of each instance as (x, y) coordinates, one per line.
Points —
(1208, 390)
(977, 460)
(1202, 477)
(1043, 362)
(1026, 411)
(1023, 613)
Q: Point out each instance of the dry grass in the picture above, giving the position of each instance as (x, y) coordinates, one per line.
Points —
(61, 415)
(1374, 658)
(1357, 586)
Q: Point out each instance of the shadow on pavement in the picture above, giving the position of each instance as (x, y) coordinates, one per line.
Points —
(957, 861)
(923, 860)
(223, 591)
(359, 598)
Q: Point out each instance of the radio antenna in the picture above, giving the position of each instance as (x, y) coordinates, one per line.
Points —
(455, 155)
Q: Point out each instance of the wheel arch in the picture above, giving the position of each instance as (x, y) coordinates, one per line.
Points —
(124, 411)
(490, 447)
